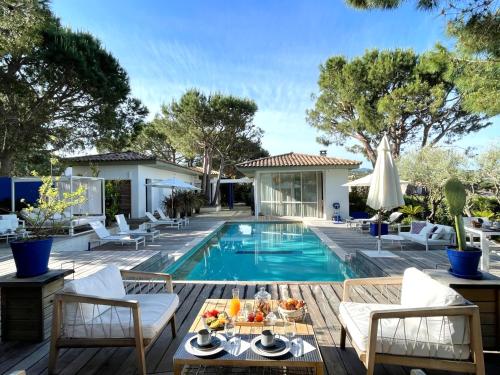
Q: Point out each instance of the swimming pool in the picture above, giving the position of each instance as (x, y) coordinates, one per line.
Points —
(262, 252)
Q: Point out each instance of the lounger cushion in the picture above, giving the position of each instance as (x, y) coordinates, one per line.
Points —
(420, 290)
(105, 283)
(431, 337)
(155, 310)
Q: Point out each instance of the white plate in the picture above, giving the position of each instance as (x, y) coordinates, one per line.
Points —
(205, 353)
(267, 354)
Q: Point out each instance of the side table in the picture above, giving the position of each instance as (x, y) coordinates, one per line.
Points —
(484, 293)
(26, 305)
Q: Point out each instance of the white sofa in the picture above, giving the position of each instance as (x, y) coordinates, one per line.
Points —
(443, 236)
(432, 326)
(100, 310)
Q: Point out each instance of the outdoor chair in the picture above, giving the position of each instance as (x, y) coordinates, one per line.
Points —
(125, 229)
(183, 220)
(428, 234)
(106, 237)
(113, 308)
(432, 326)
(153, 221)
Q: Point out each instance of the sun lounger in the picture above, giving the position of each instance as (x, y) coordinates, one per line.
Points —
(125, 229)
(184, 221)
(153, 221)
(106, 237)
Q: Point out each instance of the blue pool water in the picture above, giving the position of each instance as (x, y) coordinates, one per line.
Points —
(262, 252)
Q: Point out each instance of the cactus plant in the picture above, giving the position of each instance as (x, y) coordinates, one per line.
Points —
(456, 197)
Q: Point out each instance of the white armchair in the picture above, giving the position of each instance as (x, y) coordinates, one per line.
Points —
(432, 327)
(113, 308)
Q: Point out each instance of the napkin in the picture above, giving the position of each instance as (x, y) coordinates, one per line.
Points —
(238, 346)
(300, 347)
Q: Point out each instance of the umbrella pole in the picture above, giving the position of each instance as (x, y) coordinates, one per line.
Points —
(379, 241)
(173, 213)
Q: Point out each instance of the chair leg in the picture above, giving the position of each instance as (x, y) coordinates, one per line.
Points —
(54, 335)
(141, 357)
(343, 334)
(172, 325)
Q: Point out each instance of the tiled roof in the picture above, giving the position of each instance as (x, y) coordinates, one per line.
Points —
(112, 156)
(293, 159)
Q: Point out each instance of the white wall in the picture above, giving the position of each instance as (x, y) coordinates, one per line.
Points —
(137, 174)
(118, 172)
(335, 192)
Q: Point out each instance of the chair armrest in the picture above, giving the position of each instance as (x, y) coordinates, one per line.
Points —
(425, 312)
(148, 276)
(93, 300)
(395, 280)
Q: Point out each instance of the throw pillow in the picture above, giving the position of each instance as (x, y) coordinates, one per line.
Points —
(438, 234)
(432, 231)
(417, 226)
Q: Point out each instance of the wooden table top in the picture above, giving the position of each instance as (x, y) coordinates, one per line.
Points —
(302, 328)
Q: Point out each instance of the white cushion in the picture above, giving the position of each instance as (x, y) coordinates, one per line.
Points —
(420, 290)
(106, 283)
(155, 310)
(431, 337)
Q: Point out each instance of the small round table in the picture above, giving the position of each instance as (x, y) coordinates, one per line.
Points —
(393, 238)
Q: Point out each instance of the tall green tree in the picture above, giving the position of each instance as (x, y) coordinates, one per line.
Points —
(62, 91)
(209, 126)
(476, 62)
(409, 97)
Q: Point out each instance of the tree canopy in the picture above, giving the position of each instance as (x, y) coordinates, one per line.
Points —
(410, 97)
(215, 127)
(476, 26)
(63, 90)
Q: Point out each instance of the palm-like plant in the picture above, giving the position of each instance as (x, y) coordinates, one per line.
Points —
(411, 211)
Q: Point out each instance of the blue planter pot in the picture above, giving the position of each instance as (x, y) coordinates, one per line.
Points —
(464, 264)
(31, 257)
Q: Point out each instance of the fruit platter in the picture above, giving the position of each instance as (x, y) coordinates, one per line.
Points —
(215, 319)
(291, 308)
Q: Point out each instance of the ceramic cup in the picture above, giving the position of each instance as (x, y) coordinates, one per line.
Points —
(267, 338)
(203, 337)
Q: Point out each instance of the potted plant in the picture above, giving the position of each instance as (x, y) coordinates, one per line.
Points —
(464, 260)
(31, 255)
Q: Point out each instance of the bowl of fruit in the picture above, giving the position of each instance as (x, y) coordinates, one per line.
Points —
(293, 309)
(214, 319)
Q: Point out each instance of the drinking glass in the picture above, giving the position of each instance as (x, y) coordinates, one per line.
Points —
(290, 329)
(230, 331)
(234, 305)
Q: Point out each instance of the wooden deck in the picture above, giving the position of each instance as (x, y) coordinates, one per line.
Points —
(322, 301)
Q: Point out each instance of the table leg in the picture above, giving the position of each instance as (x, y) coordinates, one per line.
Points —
(485, 248)
(178, 368)
(319, 369)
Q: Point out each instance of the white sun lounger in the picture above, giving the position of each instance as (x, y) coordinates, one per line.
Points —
(125, 229)
(153, 221)
(184, 221)
(105, 236)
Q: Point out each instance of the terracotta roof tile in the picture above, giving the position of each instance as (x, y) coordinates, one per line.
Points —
(112, 156)
(293, 159)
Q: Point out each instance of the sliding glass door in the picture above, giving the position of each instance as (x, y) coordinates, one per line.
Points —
(291, 194)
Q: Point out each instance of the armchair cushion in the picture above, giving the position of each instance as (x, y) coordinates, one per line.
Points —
(420, 290)
(105, 283)
(156, 310)
(428, 337)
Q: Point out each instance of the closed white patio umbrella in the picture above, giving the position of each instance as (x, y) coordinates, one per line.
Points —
(385, 188)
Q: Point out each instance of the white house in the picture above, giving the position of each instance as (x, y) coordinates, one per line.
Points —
(134, 170)
(299, 185)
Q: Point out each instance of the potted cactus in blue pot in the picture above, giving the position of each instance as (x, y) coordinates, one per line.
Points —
(464, 259)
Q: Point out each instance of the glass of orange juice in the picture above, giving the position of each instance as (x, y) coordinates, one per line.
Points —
(234, 304)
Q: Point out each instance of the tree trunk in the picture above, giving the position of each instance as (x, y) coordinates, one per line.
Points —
(6, 164)
(217, 200)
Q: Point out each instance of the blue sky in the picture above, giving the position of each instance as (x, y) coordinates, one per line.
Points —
(269, 51)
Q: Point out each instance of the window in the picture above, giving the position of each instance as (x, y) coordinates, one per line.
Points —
(291, 194)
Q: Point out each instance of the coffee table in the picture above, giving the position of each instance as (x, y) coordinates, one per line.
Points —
(248, 358)
(393, 238)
